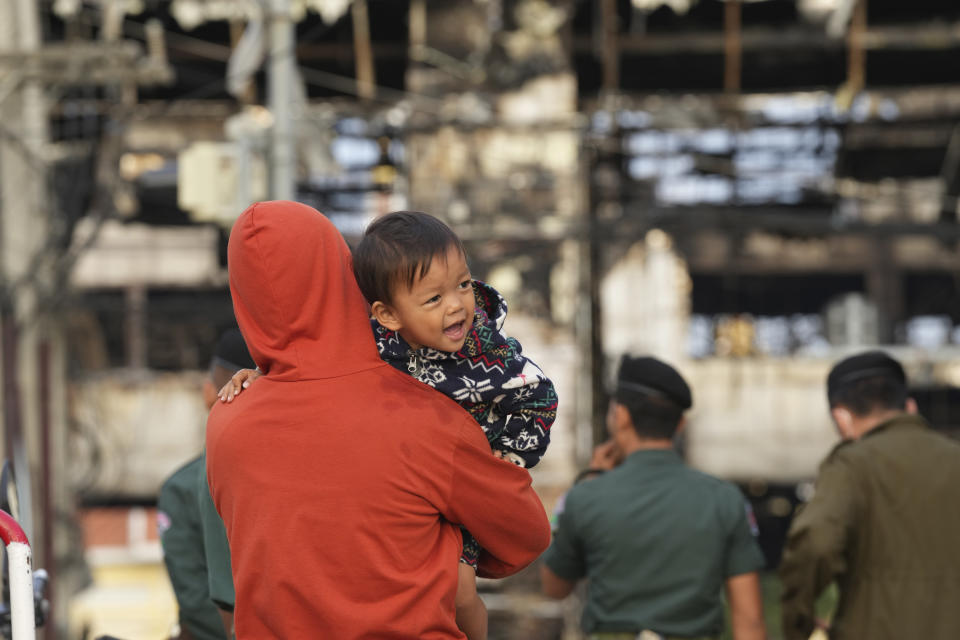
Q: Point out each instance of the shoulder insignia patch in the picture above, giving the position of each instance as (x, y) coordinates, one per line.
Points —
(163, 522)
(751, 519)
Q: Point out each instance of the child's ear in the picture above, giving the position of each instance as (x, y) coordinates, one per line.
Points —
(385, 316)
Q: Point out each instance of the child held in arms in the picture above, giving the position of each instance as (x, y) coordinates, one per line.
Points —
(432, 320)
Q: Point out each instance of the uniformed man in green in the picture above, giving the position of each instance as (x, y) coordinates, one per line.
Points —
(193, 544)
(178, 521)
(884, 522)
(658, 541)
(217, 553)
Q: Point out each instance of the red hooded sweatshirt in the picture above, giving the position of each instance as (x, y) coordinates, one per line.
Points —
(341, 480)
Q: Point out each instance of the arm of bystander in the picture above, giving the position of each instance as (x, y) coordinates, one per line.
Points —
(816, 549)
(746, 607)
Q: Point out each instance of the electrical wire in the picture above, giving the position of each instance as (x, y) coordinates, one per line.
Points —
(221, 53)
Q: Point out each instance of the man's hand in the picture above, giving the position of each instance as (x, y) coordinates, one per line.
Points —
(606, 456)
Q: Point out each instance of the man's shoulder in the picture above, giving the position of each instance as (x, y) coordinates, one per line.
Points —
(177, 499)
(590, 491)
(842, 452)
(380, 399)
(415, 404)
(701, 490)
(184, 479)
(706, 482)
(862, 450)
(595, 490)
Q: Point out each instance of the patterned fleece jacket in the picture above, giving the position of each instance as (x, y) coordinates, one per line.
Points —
(506, 393)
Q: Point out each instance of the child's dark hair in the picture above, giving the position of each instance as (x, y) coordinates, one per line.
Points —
(397, 249)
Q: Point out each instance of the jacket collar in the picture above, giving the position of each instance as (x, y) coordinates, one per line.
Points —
(902, 421)
(647, 457)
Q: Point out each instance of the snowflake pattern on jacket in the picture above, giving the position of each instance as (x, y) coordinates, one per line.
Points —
(505, 392)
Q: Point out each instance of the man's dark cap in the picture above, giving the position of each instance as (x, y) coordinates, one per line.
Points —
(231, 351)
(870, 364)
(646, 376)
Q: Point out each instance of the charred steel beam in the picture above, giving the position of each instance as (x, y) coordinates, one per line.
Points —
(930, 36)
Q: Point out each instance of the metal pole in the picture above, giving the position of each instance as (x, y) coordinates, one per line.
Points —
(363, 52)
(23, 229)
(14, 442)
(856, 55)
(135, 326)
(280, 97)
(610, 46)
(45, 358)
(20, 570)
(732, 47)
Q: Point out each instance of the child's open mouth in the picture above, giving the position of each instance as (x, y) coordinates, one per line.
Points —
(455, 331)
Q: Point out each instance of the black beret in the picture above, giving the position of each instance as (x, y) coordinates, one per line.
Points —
(870, 364)
(231, 351)
(651, 377)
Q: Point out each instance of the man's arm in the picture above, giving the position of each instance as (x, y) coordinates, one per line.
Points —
(565, 552)
(216, 551)
(553, 586)
(494, 500)
(814, 554)
(746, 607)
(563, 563)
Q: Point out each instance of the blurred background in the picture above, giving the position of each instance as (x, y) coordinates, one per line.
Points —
(746, 189)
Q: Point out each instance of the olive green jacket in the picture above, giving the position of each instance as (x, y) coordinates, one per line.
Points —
(884, 524)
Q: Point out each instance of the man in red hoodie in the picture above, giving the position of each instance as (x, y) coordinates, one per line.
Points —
(342, 482)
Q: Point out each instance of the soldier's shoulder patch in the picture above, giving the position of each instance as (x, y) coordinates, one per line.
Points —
(163, 522)
(558, 511)
(751, 519)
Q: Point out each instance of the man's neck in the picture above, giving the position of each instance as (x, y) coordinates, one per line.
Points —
(647, 444)
(867, 424)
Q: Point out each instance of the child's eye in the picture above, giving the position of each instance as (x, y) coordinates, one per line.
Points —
(466, 284)
(432, 300)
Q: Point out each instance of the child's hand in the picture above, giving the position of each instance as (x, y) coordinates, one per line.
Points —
(240, 381)
(510, 457)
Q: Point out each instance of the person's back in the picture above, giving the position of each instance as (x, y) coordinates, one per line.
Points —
(884, 520)
(905, 542)
(657, 535)
(339, 479)
(658, 542)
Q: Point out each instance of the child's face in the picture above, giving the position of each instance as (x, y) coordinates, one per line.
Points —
(437, 312)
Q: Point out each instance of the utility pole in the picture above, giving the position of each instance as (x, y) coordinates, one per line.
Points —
(610, 46)
(366, 76)
(732, 47)
(23, 232)
(280, 97)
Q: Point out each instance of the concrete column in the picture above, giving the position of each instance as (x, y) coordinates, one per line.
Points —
(280, 96)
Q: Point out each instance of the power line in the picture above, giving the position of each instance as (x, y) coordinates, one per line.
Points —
(221, 53)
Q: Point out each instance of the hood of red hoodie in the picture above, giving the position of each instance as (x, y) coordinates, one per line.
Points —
(294, 295)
